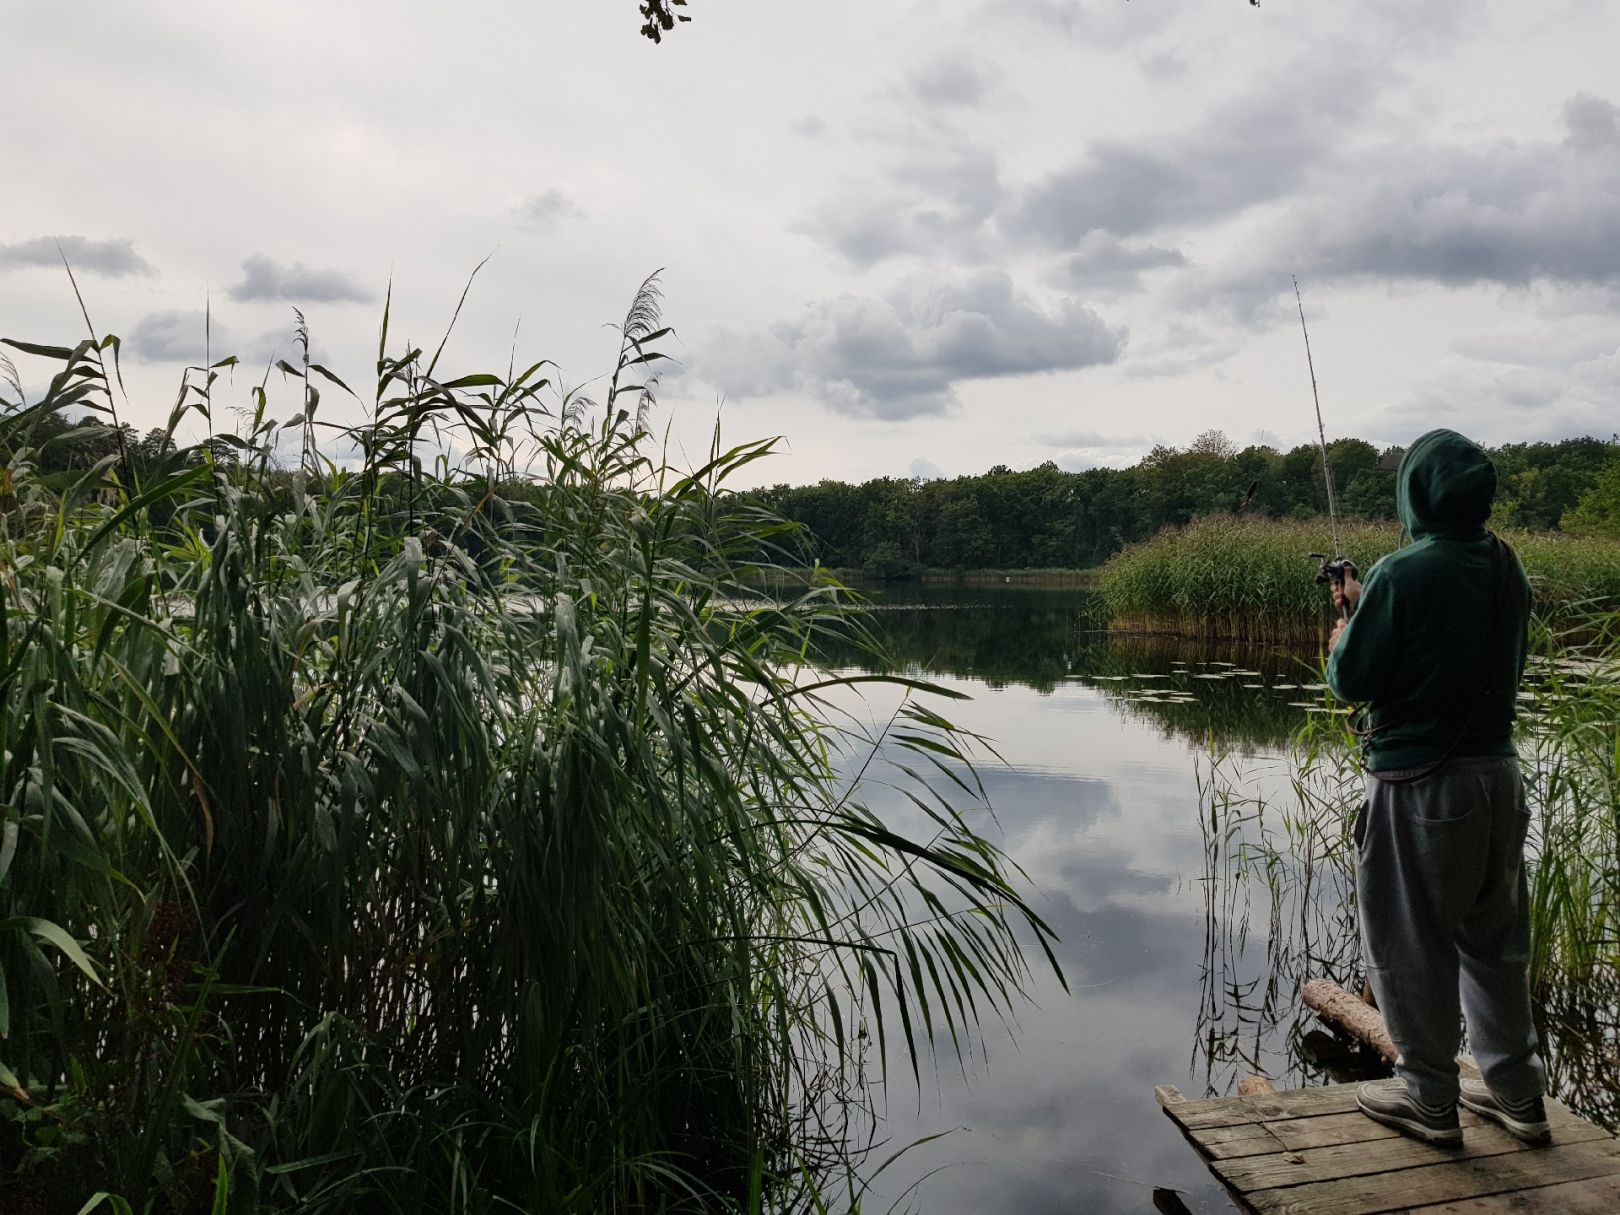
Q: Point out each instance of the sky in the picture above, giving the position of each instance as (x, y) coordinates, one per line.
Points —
(911, 239)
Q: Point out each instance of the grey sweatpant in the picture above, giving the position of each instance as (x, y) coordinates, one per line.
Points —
(1445, 923)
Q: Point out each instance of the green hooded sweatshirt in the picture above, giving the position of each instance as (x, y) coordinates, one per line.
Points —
(1436, 646)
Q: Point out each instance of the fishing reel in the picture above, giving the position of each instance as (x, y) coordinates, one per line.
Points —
(1334, 569)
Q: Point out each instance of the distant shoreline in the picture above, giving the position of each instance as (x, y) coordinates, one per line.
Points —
(1054, 577)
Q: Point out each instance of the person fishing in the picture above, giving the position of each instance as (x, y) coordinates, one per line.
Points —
(1433, 649)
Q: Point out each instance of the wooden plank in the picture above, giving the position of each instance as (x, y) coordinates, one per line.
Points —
(1295, 1103)
(1329, 1129)
(1230, 1134)
(1450, 1182)
(1594, 1196)
(1325, 1130)
(1233, 1147)
(1378, 1156)
(1167, 1094)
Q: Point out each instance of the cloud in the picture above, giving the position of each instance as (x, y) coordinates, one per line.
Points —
(954, 80)
(933, 199)
(924, 469)
(1090, 439)
(266, 279)
(1498, 213)
(1591, 122)
(110, 258)
(900, 355)
(543, 212)
(176, 337)
(1104, 262)
(1495, 401)
(1248, 150)
(809, 127)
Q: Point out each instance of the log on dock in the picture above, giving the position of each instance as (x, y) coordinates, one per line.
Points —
(1346, 1012)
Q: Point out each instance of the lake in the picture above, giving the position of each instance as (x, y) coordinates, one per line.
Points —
(1183, 936)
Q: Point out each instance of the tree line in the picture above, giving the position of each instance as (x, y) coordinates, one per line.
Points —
(1045, 517)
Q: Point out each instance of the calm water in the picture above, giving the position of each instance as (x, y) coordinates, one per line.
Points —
(1180, 972)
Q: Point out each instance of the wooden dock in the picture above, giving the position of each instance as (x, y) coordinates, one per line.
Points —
(1311, 1152)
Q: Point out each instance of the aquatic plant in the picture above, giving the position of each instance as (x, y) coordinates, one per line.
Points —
(1251, 579)
(1570, 747)
(402, 830)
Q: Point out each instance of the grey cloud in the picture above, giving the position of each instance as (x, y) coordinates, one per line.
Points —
(901, 355)
(543, 212)
(110, 258)
(1244, 152)
(1506, 214)
(266, 279)
(1592, 122)
(1104, 262)
(177, 337)
(931, 199)
(924, 469)
(952, 81)
(1182, 346)
(1105, 26)
(1089, 438)
(1495, 401)
(810, 127)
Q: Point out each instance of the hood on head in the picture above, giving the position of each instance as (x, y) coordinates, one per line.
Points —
(1445, 486)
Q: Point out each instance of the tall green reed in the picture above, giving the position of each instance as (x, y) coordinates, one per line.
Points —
(418, 835)
(1251, 579)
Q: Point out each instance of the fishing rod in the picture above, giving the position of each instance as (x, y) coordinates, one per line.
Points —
(1337, 567)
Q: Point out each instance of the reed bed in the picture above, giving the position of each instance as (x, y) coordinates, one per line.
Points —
(1570, 746)
(416, 835)
(1251, 579)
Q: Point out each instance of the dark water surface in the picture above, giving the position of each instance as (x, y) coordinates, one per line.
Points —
(1180, 971)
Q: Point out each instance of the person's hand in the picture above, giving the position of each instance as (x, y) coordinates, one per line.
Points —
(1346, 595)
(1338, 631)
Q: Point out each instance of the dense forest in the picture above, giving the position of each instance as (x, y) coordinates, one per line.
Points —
(1045, 517)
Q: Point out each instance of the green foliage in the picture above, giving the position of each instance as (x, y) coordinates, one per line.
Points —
(426, 839)
(1570, 743)
(1252, 579)
(1598, 511)
(1045, 517)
